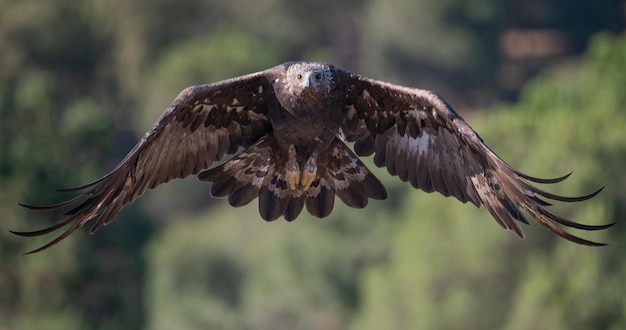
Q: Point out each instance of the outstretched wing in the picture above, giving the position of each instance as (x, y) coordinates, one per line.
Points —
(419, 138)
(200, 126)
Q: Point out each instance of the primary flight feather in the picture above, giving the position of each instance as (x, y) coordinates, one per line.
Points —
(292, 123)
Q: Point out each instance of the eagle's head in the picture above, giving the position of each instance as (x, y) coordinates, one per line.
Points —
(305, 78)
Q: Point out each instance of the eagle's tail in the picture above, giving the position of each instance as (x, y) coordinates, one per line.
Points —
(255, 172)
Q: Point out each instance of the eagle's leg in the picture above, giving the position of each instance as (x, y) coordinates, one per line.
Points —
(310, 172)
(292, 169)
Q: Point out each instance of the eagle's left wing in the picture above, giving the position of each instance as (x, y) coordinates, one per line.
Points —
(417, 136)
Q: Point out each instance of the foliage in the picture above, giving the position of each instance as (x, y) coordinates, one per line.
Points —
(80, 81)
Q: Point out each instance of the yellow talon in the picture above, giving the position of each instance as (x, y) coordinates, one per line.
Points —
(296, 179)
(307, 179)
(292, 178)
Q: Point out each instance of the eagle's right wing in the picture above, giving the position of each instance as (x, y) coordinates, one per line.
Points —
(200, 126)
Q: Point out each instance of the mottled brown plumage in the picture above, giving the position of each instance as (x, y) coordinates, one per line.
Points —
(291, 123)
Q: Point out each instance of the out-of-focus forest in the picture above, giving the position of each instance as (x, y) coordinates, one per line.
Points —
(543, 82)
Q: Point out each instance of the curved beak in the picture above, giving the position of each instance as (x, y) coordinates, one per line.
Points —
(307, 80)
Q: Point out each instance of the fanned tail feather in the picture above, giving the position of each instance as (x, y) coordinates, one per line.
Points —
(256, 172)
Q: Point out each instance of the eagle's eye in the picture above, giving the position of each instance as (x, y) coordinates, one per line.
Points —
(318, 76)
(299, 76)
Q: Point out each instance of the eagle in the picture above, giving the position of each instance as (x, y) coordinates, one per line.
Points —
(286, 130)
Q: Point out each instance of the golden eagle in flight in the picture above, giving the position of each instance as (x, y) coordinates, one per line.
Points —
(288, 126)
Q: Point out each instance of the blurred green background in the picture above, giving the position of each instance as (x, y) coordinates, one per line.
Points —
(543, 82)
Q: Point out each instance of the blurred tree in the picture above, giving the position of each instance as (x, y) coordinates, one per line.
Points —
(55, 92)
(81, 81)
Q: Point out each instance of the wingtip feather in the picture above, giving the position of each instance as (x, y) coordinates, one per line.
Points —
(542, 180)
(51, 206)
(566, 198)
(83, 187)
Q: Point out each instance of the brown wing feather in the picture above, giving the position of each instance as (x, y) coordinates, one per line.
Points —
(201, 125)
(417, 136)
